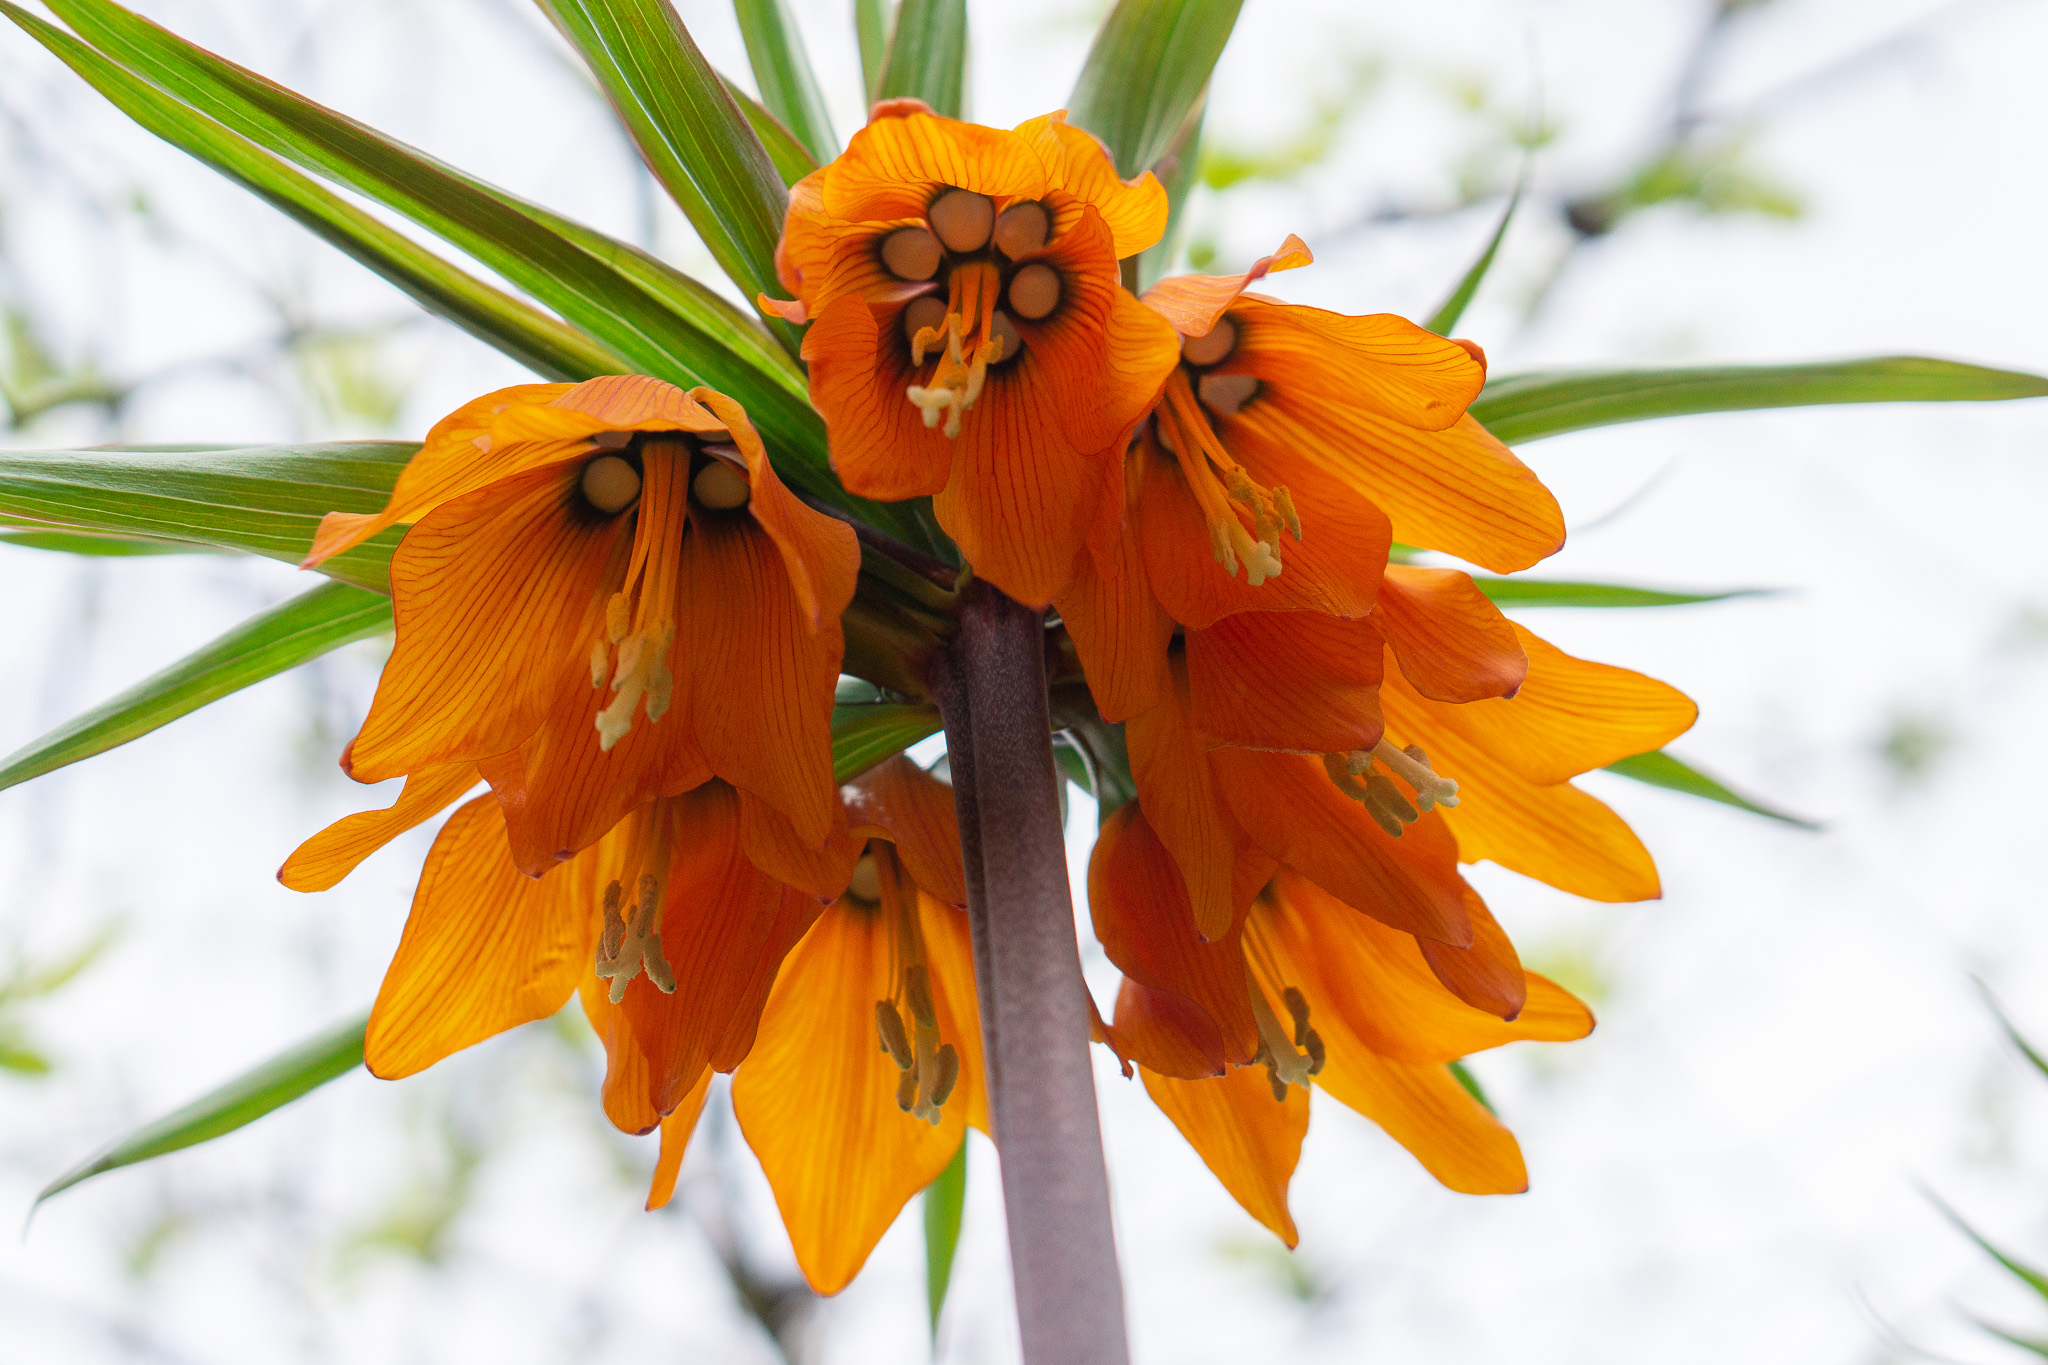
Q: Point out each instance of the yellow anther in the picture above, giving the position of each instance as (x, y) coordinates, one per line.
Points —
(641, 673)
(628, 948)
(600, 662)
(1411, 765)
(1216, 480)
(917, 993)
(972, 343)
(1287, 1066)
(1297, 1010)
(895, 1040)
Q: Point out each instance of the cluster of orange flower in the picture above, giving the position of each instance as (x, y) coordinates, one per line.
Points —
(611, 610)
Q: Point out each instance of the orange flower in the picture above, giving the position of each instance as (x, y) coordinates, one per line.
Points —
(970, 337)
(622, 531)
(1315, 995)
(1292, 444)
(691, 959)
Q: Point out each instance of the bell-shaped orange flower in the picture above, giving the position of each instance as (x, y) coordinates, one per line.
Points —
(1232, 1034)
(589, 567)
(970, 337)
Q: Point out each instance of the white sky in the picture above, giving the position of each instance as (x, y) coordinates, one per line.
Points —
(1789, 1041)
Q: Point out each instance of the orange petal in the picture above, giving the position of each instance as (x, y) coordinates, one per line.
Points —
(1333, 569)
(1556, 833)
(907, 155)
(498, 595)
(860, 367)
(1487, 973)
(1458, 490)
(484, 949)
(1570, 716)
(1192, 303)
(1117, 625)
(1370, 989)
(772, 845)
(1182, 804)
(1425, 1110)
(761, 686)
(1242, 1134)
(949, 952)
(901, 802)
(1378, 365)
(1295, 680)
(1167, 1034)
(1450, 639)
(675, 1138)
(1141, 917)
(1290, 808)
(630, 402)
(817, 1101)
(333, 853)
(1076, 162)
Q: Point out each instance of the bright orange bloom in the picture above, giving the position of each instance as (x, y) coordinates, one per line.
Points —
(690, 959)
(622, 532)
(970, 338)
(1289, 447)
(1315, 994)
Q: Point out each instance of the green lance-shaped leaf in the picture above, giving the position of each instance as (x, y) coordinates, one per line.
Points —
(1527, 407)
(927, 56)
(871, 32)
(1178, 170)
(243, 1100)
(1447, 314)
(2018, 1039)
(691, 133)
(265, 500)
(1543, 592)
(793, 161)
(1659, 769)
(863, 734)
(782, 72)
(523, 332)
(1462, 1074)
(1148, 68)
(684, 335)
(96, 545)
(945, 1204)
(2020, 1270)
(331, 615)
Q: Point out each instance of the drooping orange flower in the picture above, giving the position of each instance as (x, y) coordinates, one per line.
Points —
(1289, 447)
(588, 568)
(689, 959)
(970, 337)
(1303, 992)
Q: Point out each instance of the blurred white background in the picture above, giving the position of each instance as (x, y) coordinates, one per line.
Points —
(1790, 1047)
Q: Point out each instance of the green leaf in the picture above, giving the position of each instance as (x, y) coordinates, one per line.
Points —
(1541, 592)
(2021, 1271)
(793, 161)
(1660, 769)
(782, 72)
(87, 543)
(265, 500)
(2019, 1039)
(865, 734)
(927, 57)
(331, 615)
(1147, 69)
(1462, 1074)
(678, 332)
(525, 333)
(1527, 407)
(871, 31)
(1178, 170)
(1447, 314)
(945, 1203)
(241, 1101)
(691, 133)
(2033, 1345)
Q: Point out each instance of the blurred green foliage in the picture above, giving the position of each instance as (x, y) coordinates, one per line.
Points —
(28, 982)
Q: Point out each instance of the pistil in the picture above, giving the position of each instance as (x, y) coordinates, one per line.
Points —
(1356, 775)
(1285, 1065)
(1217, 480)
(630, 947)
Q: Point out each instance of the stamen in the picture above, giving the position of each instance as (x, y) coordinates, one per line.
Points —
(925, 313)
(1285, 1065)
(895, 1040)
(1216, 479)
(930, 1066)
(1411, 765)
(1022, 229)
(1354, 775)
(972, 343)
(640, 617)
(625, 950)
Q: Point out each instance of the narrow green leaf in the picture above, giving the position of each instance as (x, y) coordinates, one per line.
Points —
(782, 72)
(1541, 592)
(241, 1101)
(2012, 1032)
(1462, 1074)
(691, 133)
(599, 285)
(265, 500)
(328, 617)
(865, 734)
(1660, 769)
(871, 31)
(1528, 407)
(528, 335)
(1179, 171)
(2032, 1345)
(793, 161)
(927, 56)
(2026, 1274)
(945, 1204)
(88, 543)
(1446, 316)
(1147, 69)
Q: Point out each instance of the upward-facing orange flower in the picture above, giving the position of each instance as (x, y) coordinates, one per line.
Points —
(969, 335)
(589, 569)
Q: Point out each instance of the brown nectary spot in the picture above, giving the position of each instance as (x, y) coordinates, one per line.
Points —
(1035, 291)
(1023, 229)
(962, 219)
(1224, 394)
(922, 312)
(610, 484)
(721, 487)
(911, 253)
(1212, 346)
